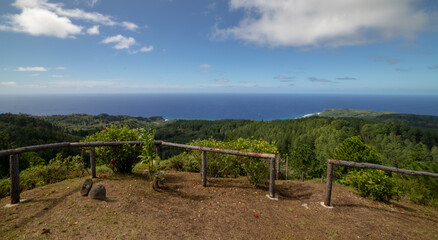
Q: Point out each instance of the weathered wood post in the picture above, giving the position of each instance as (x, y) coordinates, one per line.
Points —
(272, 179)
(204, 168)
(278, 168)
(93, 161)
(158, 150)
(287, 167)
(15, 179)
(328, 189)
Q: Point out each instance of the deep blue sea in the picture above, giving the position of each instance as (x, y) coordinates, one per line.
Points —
(213, 106)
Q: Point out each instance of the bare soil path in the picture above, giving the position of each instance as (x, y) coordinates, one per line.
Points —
(225, 209)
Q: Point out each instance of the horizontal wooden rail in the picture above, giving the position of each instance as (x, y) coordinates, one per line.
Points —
(331, 162)
(36, 148)
(218, 150)
(380, 167)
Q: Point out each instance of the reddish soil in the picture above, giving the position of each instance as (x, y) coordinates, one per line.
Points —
(226, 209)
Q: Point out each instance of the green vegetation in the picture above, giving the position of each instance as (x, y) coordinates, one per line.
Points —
(84, 125)
(58, 169)
(404, 141)
(121, 159)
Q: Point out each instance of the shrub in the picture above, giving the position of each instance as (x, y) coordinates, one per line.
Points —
(225, 165)
(121, 159)
(182, 162)
(374, 184)
(5, 187)
(57, 170)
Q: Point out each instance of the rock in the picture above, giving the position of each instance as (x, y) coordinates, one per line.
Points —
(86, 187)
(98, 192)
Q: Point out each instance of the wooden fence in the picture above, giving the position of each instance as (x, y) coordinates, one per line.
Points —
(331, 162)
(14, 162)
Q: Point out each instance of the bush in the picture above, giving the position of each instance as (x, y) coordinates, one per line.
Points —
(57, 170)
(121, 159)
(374, 184)
(5, 187)
(182, 162)
(225, 165)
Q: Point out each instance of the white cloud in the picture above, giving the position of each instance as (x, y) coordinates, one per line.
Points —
(79, 83)
(37, 21)
(120, 41)
(93, 2)
(205, 65)
(57, 76)
(60, 68)
(315, 23)
(147, 49)
(8, 83)
(94, 30)
(34, 74)
(31, 69)
(129, 25)
(39, 17)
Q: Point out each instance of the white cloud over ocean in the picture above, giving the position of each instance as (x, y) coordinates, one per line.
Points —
(315, 23)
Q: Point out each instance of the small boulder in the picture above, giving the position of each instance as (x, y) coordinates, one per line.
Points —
(98, 192)
(86, 187)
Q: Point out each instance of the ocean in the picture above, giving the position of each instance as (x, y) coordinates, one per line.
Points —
(214, 106)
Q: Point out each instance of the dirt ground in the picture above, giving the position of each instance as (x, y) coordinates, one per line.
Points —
(225, 209)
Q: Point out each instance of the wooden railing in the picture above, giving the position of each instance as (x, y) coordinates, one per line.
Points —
(331, 162)
(14, 162)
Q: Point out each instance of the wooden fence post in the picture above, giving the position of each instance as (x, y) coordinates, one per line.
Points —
(278, 168)
(93, 162)
(15, 179)
(287, 167)
(272, 179)
(204, 168)
(158, 150)
(328, 189)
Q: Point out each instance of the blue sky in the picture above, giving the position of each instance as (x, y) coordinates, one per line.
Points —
(223, 46)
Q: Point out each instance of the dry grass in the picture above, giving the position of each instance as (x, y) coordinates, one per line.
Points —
(183, 209)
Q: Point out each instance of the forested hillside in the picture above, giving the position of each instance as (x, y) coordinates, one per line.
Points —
(400, 143)
(420, 121)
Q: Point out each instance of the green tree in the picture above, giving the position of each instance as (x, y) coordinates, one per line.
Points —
(353, 149)
(302, 159)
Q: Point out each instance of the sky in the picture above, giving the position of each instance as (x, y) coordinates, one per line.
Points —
(219, 46)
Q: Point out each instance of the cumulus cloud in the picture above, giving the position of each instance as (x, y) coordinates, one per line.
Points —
(205, 65)
(323, 80)
(315, 23)
(8, 83)
(147, 49)
(346, 78)
(120, 41)
(129, 25)
(93, 2)
(37, 21)
(31, 69)
(40, 17)
(94, 30)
